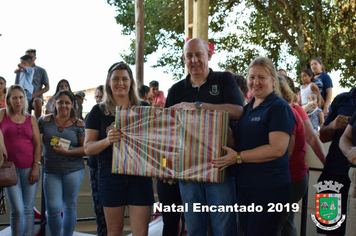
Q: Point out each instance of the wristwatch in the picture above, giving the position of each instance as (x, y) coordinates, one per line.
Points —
(198, 105)
(38, 162)
(238, 158)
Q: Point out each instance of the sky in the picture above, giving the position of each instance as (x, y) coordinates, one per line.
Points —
(77, 40)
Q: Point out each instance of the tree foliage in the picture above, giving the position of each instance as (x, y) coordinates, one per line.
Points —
(279, 29)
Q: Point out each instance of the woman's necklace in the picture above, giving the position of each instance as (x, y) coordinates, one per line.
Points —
(61, 127)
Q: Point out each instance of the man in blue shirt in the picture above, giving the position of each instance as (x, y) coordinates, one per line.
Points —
(205, 89)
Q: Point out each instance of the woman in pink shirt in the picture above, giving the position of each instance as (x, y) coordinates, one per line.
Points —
(23, 145)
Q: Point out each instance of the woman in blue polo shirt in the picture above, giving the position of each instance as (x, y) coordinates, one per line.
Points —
(261, 140)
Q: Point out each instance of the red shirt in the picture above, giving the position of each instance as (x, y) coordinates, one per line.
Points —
(160, 98)
(297, 164)
(301, 112)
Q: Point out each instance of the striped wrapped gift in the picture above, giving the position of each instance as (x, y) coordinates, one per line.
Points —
(170, 143)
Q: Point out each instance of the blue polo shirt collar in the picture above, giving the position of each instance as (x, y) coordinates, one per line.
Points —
(187, 83)
(353, 93)
(268, 100)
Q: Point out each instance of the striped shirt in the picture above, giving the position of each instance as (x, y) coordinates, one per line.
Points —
(54, 162)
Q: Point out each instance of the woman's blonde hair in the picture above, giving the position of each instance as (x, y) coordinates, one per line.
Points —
(9, 108)
(108, 101)
(286, 91)
(267, 64)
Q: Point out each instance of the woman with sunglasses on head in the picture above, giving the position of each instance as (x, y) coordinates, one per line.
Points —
(117, 190)
(63, 137)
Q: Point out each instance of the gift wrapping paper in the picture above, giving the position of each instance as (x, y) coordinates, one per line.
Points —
(170, 143)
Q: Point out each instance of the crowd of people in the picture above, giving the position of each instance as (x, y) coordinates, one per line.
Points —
(270, 119)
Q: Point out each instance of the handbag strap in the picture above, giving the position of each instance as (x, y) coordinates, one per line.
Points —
(5, 157)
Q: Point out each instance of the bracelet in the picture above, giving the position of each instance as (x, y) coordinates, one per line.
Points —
(37, 162)
(238, 158)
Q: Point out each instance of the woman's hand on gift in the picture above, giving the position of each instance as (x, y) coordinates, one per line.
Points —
(224, 161)
(114, 136)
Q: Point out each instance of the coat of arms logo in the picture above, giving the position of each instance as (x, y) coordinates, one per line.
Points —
(328, 205)
(214, 90)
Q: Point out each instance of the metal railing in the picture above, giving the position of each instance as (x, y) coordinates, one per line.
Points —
(42, 222)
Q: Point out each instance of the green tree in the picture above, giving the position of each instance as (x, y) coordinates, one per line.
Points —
(279, 29)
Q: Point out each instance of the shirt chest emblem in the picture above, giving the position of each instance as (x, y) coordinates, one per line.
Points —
(256, 119)
(214, 90)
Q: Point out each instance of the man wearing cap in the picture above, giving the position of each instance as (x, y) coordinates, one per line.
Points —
(205, 89)
(80, 97)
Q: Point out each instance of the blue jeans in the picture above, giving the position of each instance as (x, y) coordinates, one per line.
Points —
(28, 96)
(61, 191)
(211, 194)
(22, 200)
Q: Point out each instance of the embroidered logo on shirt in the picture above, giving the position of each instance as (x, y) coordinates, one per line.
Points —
(214, 90)
(255, 118)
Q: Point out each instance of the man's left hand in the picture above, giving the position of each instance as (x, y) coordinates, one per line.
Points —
(185, 105)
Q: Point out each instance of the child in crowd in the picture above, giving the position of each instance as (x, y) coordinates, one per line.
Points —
(315, 113)
(144, 92)
(307, 87)
(26, 75)
(158, 96)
